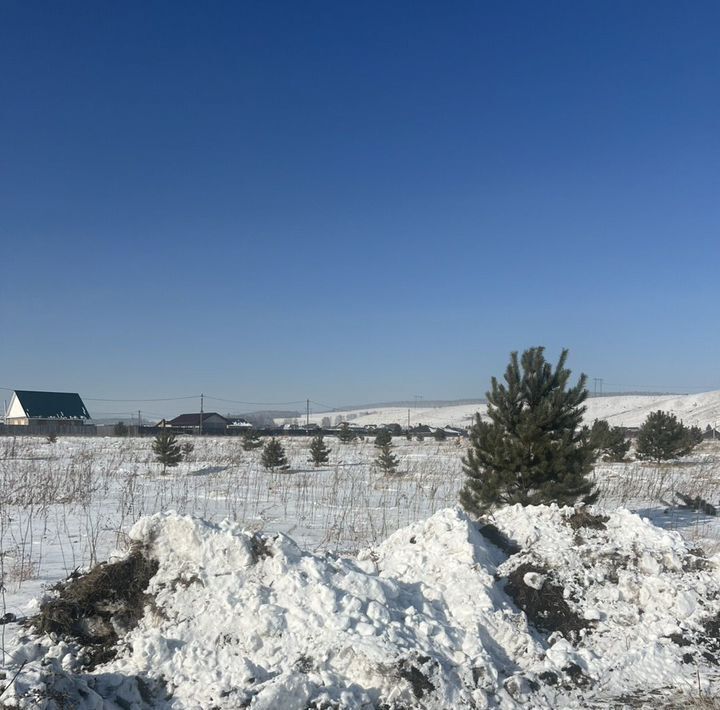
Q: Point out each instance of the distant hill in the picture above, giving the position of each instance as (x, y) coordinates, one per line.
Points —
(620, 410)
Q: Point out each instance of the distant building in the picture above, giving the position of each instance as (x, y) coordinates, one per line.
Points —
(238, 424)
(212, 423)
(29, 407)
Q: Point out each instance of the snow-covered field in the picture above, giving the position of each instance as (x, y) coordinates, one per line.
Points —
(622, 410)
(411, 596)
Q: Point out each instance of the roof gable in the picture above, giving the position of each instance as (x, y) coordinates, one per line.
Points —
(194, 419)
(52, 405)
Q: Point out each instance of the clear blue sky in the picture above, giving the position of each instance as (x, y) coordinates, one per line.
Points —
(356, 201)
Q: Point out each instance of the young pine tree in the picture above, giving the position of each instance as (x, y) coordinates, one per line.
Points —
(609, 442)
(273, 456)
(319, 452)
(386, 461)
(345, 433)
(533, 450)
(167, 450)
(383, 437)
(439, 434)
(251, 440)
(662, 437)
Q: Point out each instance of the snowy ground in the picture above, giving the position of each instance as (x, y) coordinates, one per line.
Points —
(622, 410)
(66, 505)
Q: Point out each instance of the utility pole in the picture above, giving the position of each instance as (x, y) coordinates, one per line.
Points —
(201, 412)
(307, 413)
(408, 418)
(139, 420)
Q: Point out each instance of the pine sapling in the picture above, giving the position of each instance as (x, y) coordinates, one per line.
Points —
(386, 460)
(319, 452)
(273, 456)
(167, 450)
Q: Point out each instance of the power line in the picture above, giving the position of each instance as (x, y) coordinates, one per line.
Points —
(153, 399)
(256, 404)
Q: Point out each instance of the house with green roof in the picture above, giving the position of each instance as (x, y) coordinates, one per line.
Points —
(31, 407)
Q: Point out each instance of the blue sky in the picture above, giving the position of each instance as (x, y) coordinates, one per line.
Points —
(351, 202)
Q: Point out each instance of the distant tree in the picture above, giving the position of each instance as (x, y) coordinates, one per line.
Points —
(383, 437)
(533, 450)
(386, 461)
(325, 423)
(439, 434)
(408, 435)
(187, 448)
(609, 442)
(251, 440)
(695, 436)
(663, 437)
(345, 433)
(273, 456)
(167, 450)
(319, 452)
(51, 438)
(120, 429)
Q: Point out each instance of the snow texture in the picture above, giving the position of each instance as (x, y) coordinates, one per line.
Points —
(422, 620)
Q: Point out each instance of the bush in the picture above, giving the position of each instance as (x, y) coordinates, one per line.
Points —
(533, 450)
(439, 434)
(663, 437)
(187, 448)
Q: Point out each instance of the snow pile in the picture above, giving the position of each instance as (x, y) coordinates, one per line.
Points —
(615, 607)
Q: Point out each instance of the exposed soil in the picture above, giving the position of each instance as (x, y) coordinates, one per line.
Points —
(94, 608)
(545, 608)
(583, 518)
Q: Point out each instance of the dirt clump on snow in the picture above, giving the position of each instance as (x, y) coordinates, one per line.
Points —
(583, 518)
(96, 608)
(529, 586)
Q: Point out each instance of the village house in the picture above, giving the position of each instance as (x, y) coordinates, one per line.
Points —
(62, 408)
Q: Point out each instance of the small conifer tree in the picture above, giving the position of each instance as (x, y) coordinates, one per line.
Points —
(167, 450)
(273, 456)
(345, 433)
(251, 440)
(383, 437)
(386, 460)
(609, 442)
(662, 437)
(319, 452)
(439, 434)
(533, 450)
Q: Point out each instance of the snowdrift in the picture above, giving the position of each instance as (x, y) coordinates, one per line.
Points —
(544, 607)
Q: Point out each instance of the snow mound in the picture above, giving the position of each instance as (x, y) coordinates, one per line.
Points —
(437, 616)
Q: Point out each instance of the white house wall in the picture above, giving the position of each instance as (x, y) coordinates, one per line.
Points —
(15, 410)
